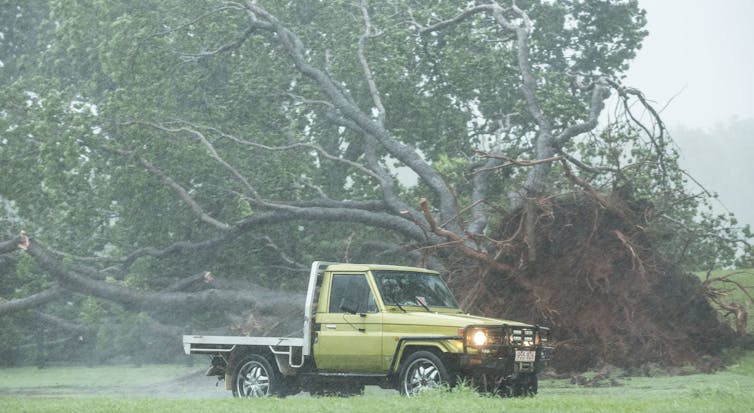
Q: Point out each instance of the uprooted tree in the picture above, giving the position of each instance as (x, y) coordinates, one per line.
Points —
(179, 163)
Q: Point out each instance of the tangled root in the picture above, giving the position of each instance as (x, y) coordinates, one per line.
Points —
(587, 269)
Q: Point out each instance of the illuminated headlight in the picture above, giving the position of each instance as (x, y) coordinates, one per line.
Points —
(479, 338)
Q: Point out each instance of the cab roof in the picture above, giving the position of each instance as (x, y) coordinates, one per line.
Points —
(378, 267)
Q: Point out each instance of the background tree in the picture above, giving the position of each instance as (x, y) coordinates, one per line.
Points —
(176, 161)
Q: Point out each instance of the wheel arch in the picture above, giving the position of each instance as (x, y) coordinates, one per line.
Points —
(443, 347)
(239, 353)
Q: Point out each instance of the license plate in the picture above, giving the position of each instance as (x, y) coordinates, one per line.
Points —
(526, 356)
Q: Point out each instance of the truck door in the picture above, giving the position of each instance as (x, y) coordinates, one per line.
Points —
(348, 337)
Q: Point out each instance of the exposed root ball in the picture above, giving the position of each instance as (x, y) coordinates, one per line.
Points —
(588, 270)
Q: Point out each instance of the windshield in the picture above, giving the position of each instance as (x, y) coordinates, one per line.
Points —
(413, 288)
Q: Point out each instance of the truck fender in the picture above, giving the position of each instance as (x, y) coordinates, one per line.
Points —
(283, 364)
(443, 344)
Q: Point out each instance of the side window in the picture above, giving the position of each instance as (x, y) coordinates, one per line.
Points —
(351, 292)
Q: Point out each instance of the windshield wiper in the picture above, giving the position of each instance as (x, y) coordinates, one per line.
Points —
(421, 302)
(395, 302)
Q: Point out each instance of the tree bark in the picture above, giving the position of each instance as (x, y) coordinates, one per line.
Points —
(262, 299)
(32, 301)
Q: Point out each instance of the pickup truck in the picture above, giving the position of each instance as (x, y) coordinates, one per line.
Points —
(391, 326)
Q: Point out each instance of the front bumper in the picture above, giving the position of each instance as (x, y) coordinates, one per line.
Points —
(504, 349)
(504, 362)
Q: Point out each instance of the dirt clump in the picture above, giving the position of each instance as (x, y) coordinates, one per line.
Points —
(586, 267)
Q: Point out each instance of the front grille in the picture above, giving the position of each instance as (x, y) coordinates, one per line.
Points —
(522, 337)
(496, 337)
(501, 337)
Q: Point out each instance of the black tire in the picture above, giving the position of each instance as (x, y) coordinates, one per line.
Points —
(526, 386)
(421, 371)
(254, 376)
(530, 386)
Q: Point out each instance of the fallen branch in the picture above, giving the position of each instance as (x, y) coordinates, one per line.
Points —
(63, 324)
(715, 295)
(21, 241)
(511, 161)
(203, 280)
(260, 298)
(32, 301)
(460, 242)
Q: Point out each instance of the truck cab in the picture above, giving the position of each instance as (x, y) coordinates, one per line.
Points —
(392, 326)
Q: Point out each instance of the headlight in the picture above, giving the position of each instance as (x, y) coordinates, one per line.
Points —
(479, 338)
(522, 337)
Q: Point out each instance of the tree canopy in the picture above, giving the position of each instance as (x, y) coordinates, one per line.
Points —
(163, 156)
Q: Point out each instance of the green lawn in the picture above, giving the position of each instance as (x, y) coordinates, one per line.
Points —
(727, 391)
(32, 377)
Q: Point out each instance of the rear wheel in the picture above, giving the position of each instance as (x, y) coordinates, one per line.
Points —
(254, 376)
(422, 370)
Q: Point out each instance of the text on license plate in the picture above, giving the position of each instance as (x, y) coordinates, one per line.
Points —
(526, 356)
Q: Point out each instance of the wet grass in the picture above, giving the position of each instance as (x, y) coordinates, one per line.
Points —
(726, 391)
(80, 376)
(633, 399)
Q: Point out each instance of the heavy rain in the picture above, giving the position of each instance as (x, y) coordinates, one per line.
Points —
(204, 199)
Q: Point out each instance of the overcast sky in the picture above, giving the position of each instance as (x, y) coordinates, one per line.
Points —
(701, 52)
(699, 61)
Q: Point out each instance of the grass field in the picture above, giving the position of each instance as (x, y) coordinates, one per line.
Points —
(122, 389)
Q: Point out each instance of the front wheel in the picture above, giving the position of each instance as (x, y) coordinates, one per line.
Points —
(527, 386)
(254, 376)
(421, 371)
(523, 386)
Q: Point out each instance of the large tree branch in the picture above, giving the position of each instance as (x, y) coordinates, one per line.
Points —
(388, 188)
(597, 103)
(299, 145)
(14, 243)
(544, 147)
(62, 324)
(442, 25)
(254, 222)
(482, 172)
(367, 213)
(212, 153)
(184, 195)
(260, 298)
(365, 65)
(32, 301)
(658, 140)
(203, 280)
(461, 242)
(355, 211)
(221, 49)
(406, 154)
